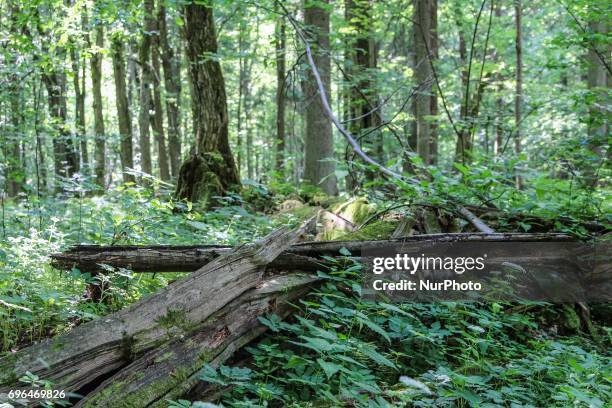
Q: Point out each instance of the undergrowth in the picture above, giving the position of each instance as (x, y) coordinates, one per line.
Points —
(344, 350)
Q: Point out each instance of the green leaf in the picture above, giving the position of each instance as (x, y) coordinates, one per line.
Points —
(376, 328)
(329, 368)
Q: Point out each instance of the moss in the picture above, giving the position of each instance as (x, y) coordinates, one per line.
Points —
(172, 385)
(57, 344)
(374, 230)
(164, 357)
(175, 319)
(105, 394)
(297, 214)
(571, 320)
(356, 211)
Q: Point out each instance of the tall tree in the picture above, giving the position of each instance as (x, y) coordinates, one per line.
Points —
(211, 169)
(158, 111)
(123, 109)
(98, 109)
(171, 63)
(422, 43)
(518, 11)
(433, 127)
(599, 81)
(280, 42)
(144, 59)
(12, 148)
(363, 56)
(66, 161)
(319, 166)
(79, 69)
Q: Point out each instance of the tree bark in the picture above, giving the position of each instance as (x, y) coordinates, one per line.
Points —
(211, 170)
(363, 96)
(319, 167)
(123, 110)
(433, 127)
(518, 6)
(499, 102)
(144, 58)
(99, 132)
(79, 106)
(99, 347)
(281, 62)
(464, 147)
(172, 83)
(66, 162)
(14, 175)
(148, 381)
(599, 81)
(422, 42)
(158, 115)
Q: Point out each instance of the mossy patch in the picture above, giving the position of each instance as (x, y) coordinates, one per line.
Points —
(175, 320)
(356, 211)
(374, 230)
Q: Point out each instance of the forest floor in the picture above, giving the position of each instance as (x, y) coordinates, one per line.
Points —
(339, 349)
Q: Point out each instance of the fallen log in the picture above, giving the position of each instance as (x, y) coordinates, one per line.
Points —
(100, 347)
(169, 371)
(303, 256)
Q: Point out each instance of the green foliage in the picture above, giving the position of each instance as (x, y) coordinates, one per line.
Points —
(37, 301)
(344, 350)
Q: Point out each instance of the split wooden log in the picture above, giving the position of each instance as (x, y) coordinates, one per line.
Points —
(99, 347)
(169, 371)
(303, 256)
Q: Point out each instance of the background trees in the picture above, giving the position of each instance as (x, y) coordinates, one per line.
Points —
(522, 86)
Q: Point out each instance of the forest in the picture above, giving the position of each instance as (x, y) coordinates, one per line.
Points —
(191, 192)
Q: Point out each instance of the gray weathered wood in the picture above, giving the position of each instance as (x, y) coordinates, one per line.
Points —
(303, 256)
(170, 370)
(99, 347)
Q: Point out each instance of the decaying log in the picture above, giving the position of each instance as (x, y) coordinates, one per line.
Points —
(99, 347)
(169, 371)
(404, 227)
(303, 256)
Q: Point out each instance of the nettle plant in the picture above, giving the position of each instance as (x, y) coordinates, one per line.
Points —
(341, 349)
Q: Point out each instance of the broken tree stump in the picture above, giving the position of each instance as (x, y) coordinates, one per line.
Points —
(99, 347)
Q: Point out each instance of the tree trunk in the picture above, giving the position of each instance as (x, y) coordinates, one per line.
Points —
(79, 108)
(281, 61)
(94, 349)
(433, 126)
(499, 102)
(14, 175)
(15, 171)
(99, 133)
(319, 167)
(363, 96)
(599, 81)
(123, 109)
(158, 115)
(463, 147)
(172, 82)
(519, 84)
(144, 58)
(211, 170)
(66, 162)
(422, 41)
